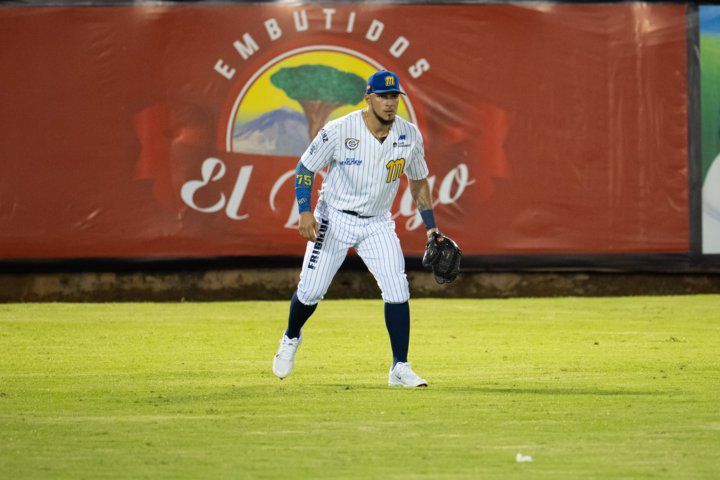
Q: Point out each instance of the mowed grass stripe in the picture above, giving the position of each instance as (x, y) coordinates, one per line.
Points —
(590, 388)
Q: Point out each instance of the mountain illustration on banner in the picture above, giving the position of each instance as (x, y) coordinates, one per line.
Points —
(282, 132)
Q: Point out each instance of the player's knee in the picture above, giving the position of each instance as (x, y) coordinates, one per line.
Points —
(397, 291)
(309, 296)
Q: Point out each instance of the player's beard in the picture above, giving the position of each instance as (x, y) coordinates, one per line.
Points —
(380, 119)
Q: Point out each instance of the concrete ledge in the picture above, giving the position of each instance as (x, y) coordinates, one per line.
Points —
(279, 284)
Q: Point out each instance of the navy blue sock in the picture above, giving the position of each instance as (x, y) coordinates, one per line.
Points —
(397, 321)
(299, 313)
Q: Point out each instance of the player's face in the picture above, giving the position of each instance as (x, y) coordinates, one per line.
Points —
(384, 106)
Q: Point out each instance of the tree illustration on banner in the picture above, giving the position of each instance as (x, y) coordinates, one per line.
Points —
(319, 89)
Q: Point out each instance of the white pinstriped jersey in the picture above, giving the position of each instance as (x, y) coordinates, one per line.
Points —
(364, 174)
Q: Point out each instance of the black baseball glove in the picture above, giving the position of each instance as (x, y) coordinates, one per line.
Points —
(442, 257)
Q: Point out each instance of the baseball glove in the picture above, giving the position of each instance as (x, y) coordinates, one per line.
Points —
(442, 257)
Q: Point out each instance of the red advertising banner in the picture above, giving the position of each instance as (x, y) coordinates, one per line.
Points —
(156, 131)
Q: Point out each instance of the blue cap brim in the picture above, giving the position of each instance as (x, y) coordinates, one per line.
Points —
(387, 91)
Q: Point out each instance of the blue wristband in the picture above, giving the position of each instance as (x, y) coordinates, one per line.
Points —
(303, 187)
(428, 218)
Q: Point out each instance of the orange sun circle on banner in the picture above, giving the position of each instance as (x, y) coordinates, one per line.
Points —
(277, 113)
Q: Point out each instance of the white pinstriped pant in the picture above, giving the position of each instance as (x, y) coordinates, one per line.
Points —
(374, 239)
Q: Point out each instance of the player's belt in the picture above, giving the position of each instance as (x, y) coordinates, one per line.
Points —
(356, 214)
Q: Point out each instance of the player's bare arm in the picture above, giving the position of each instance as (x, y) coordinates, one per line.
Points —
(420, 190)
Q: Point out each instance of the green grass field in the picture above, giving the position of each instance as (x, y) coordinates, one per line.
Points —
(590, 388)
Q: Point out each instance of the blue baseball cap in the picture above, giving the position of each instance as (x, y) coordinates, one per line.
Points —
(383, 81)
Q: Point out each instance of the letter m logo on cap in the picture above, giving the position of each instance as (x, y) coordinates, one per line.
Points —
(389, 81)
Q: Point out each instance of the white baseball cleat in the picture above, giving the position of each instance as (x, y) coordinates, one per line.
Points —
(285, 356)
(403, 376)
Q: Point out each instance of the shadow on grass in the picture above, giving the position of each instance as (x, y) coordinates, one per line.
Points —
(508, 390)
(556, 391)
(321, 390)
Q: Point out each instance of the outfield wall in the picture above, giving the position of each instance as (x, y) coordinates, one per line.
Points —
(559, 136)
(280, 284)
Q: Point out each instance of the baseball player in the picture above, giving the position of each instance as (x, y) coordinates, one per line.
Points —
(367, 151)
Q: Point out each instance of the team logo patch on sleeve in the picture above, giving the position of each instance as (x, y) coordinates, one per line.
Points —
(351, 143)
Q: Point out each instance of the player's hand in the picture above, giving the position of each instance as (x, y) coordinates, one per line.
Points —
(308, 226)
(433, 230)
